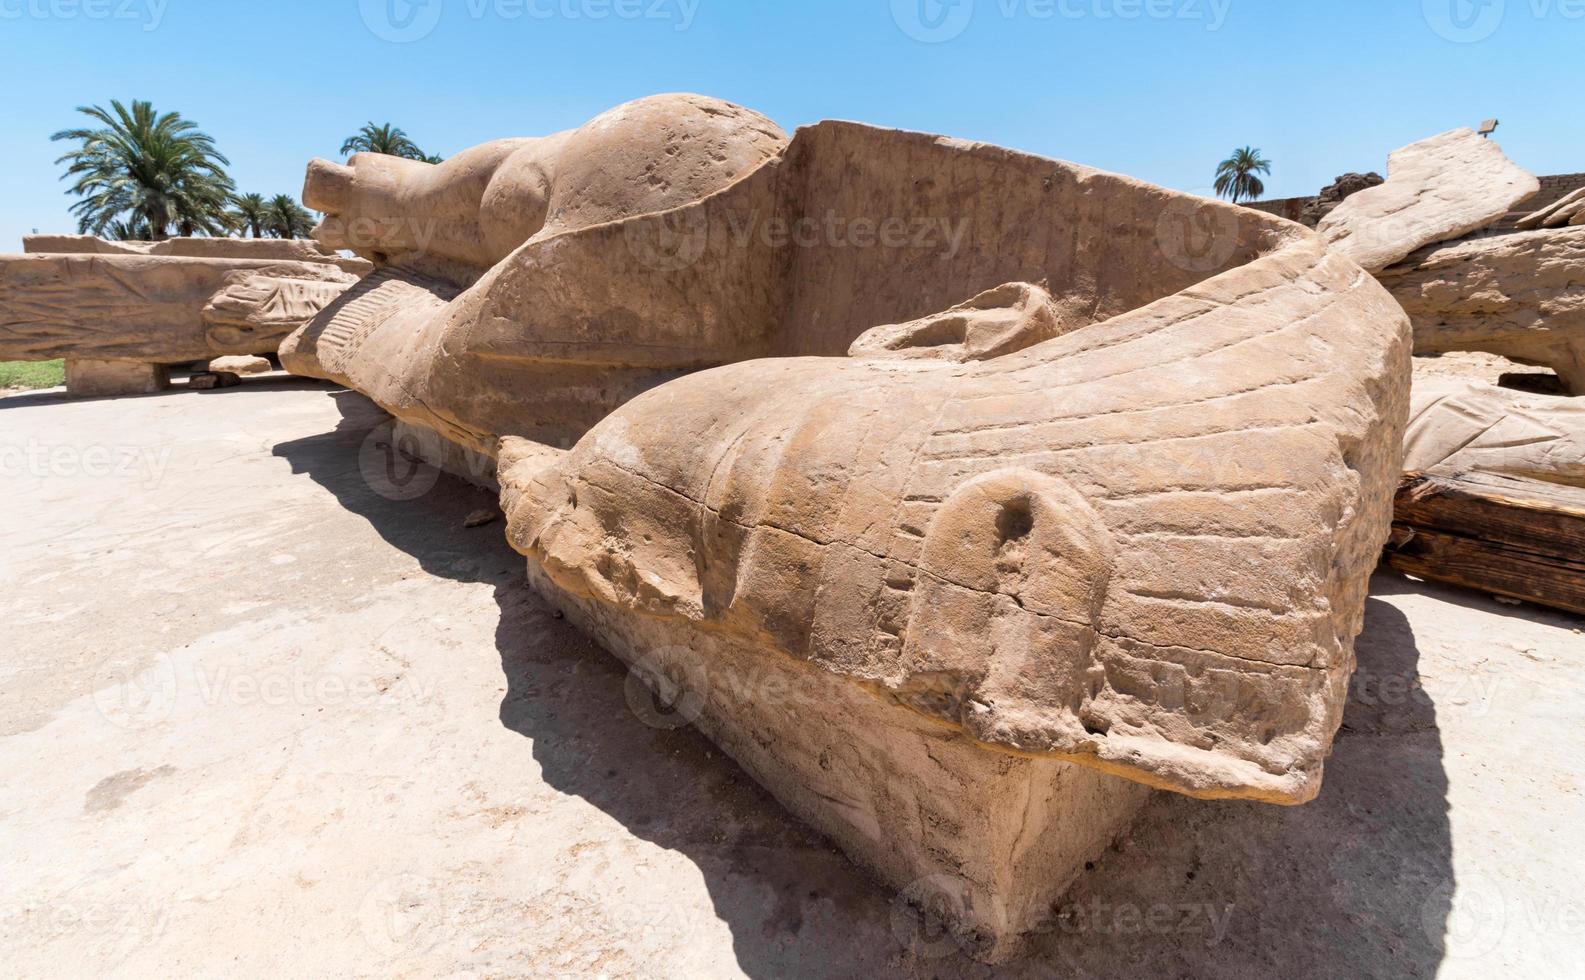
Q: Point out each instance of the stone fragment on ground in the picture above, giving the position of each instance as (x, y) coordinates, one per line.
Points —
(241, 364)
(210, 380)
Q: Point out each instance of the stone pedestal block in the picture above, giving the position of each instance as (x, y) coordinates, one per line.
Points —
(90, 377)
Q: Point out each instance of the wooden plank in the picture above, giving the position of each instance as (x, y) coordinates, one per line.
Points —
(1504, 535)
(1488, 567)
(1517, 490)
(1545, 519)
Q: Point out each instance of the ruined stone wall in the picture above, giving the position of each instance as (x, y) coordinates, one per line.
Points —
(1286, 207)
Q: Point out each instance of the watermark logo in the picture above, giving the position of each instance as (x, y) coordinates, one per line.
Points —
(145, 464)
(1197, 234)
(657, 699)
(106, 932)
(939, 915)
(136, 697)
(676, 240)
(401, 21)
(933, 21)
(406, 21)
(671, 686)
(371, 234)
(149, 13)
(669, 242)
(1470, 918)
(395, 461)
(403, 916)
(1476, 916)
(1464, 21)
(296, 686)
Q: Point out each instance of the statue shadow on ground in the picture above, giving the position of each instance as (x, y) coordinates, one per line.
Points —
(1356, 884)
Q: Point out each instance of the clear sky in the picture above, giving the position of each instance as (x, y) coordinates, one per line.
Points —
(1158, 89)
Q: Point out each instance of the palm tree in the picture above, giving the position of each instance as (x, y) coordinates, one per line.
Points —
(249, 214)
(1235, 176)
(133, 229)
(285, 218)
(387, 139)
(156, 168)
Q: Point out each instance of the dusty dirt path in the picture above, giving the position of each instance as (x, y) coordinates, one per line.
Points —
(259, 715)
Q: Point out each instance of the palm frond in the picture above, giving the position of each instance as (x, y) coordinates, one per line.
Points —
(1235, 176)
(148, 167)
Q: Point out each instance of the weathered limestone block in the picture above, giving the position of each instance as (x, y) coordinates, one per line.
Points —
(439, 229)
(241, 364)
(144, 305)
(1438, 189)
(971, 546)
(1119, 538)
(96, 378)
(1469, 427)
(1521, 296)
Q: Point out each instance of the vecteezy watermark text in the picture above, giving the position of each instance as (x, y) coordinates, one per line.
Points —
(405, 21)
(137, 696)
(940, 914)
(937, 21)
(149, 13)
(833, 230)
(677, 240)
(144, 463)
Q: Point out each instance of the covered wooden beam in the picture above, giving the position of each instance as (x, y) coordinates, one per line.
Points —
(1504, 535)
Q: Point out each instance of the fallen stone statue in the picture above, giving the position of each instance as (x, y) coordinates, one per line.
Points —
(951, 490)
(120, 312)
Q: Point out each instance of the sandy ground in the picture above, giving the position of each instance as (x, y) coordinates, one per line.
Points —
(266, 709)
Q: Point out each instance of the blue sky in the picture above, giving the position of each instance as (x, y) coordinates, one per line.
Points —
(1159, 89)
